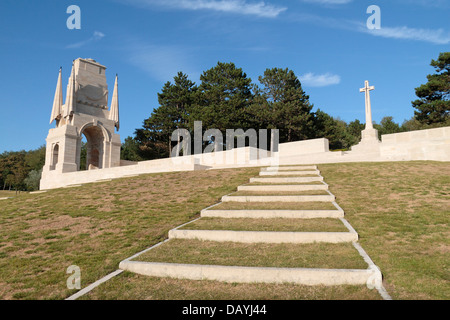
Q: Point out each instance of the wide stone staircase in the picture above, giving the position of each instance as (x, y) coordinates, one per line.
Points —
(283, 227)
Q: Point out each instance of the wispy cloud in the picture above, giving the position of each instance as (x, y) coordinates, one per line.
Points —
(436, 36)
(319, 80)
(162, 62)
(259, 9)
(95, 37)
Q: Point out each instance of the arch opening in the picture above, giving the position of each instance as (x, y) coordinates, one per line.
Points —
(92, 146)
(55, 157)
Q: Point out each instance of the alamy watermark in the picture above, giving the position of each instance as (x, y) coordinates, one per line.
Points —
(233, 150)
(74, 281)
(74, 21)
(374, 21)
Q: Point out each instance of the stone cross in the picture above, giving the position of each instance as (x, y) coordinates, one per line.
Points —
(366, 90)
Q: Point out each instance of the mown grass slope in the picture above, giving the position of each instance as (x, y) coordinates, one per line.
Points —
(401, 211)
(95, 226)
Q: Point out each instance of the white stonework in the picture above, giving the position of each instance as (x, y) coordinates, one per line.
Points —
(370, 144)
(85, 112)
(264, 236)
(238, 274)
(270, 214)
(431, 144)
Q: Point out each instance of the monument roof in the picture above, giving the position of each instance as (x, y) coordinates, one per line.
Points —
(91, 61)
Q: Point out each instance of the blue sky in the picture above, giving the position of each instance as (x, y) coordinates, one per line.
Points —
(325, 42)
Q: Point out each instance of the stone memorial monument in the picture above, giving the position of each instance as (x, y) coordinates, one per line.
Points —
(85, 112)
(369, 136)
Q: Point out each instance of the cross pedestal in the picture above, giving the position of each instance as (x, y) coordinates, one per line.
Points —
(369, 136)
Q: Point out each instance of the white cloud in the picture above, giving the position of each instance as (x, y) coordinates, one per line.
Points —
(95, 37)
(162, 62)
(260, 9)
(98, 35)
(319, 80)
(436, 36)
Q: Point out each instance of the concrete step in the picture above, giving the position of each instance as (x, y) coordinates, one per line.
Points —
(239, 274)
(72, 186)
(38, 192)
(281, 188)
(289, 173)
(289, 168)
(313, 198)
(286, 179)
(269, 214)
(264, 236)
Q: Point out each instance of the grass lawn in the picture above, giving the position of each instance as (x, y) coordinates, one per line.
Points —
(316, 255)
(7, 193)
(399, 209)
(95, 226)
(401, 212)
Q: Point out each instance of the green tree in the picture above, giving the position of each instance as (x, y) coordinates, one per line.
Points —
(9, 181)
(130, 150)
(83, 156)
(176, 101)
(354, 129)
(15, 167)
(35, 159)
(33, 179)
(4, 173)
(339, 134)
(223, 98)
(326, 127)
(388, 126)
(18, 169)
(344, 138)
(411, 125)
(175, 104)
(281, 103)
(433, 105)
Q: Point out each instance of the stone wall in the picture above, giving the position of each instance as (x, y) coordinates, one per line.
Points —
(239, 157)
(304, 147)
(432, 144)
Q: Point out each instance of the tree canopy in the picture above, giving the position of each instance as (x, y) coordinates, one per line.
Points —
(223, 98)
(433, 105)
(21, 170)
(281, 103)
(175, 104)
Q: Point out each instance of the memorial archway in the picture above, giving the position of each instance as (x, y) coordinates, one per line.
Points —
(96, 139)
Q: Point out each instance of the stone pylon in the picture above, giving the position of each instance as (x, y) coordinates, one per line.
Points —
(85, 112)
